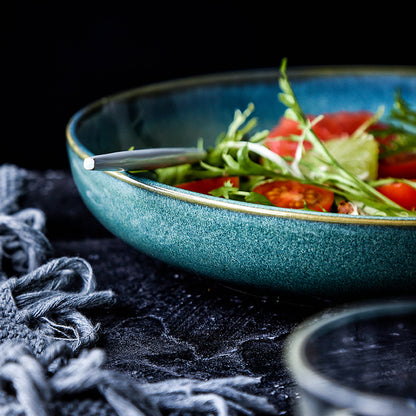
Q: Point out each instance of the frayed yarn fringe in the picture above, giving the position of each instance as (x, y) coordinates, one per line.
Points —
(48, 365)
(39, 391)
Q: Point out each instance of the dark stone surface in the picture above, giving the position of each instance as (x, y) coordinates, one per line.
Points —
(168, 323)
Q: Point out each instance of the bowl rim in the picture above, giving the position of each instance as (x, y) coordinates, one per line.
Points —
(235, 77)
(328, 389)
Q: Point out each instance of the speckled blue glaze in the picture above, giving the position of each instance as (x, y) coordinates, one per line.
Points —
(310, 253)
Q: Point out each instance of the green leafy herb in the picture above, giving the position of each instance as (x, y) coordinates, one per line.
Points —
(225, 190)
(402, 129)
(229, 191)
(257, 198)
(402, 112)
(328, 170)
(239, 152)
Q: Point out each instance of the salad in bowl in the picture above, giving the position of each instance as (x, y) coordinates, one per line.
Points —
(347, 162)
(309, 190)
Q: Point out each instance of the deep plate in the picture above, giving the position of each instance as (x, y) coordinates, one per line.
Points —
(288, 250)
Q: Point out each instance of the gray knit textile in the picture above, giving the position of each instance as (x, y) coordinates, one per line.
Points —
(48, 363)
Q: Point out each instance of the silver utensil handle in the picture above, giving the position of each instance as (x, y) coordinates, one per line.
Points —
(144, 159)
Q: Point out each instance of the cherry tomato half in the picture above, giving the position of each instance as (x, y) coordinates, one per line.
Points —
(205, 186)
(402, 165)
(293, 194)
(331, 126)
(401, 193)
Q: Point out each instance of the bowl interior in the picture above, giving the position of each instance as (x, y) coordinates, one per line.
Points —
(380, 351)
(181, 112)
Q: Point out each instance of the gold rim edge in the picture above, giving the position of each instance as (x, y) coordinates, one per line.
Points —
(213, 203)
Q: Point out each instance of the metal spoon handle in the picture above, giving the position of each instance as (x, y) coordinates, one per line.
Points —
(144, 159)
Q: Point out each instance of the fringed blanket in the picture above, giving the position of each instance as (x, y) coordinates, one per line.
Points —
(48, 363)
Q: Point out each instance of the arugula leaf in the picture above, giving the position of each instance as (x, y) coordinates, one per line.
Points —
(402, 112)
(403, 142)
(228, 191)
(257, 198)
(238, 129)
(225, 190)
(173, 175)
(402, 127)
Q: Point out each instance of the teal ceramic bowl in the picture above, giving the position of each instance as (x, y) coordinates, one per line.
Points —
(290, 251)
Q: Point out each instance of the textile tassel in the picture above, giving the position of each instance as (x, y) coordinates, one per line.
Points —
(11, 187)
(36, 389)
(25, 374)
(23, 246)
(44, 364)
(46, 296)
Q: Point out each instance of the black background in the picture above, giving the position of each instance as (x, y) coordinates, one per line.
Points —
(60, 56)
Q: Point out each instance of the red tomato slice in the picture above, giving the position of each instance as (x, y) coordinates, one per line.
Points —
(402, 165)
(329, 127)
(349, 121)
(205, 186)
(285, 128)
(332, 126)
(285, 147)
(293, 194)
(401, 193)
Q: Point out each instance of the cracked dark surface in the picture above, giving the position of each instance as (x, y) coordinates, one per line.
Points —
(168, 323)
